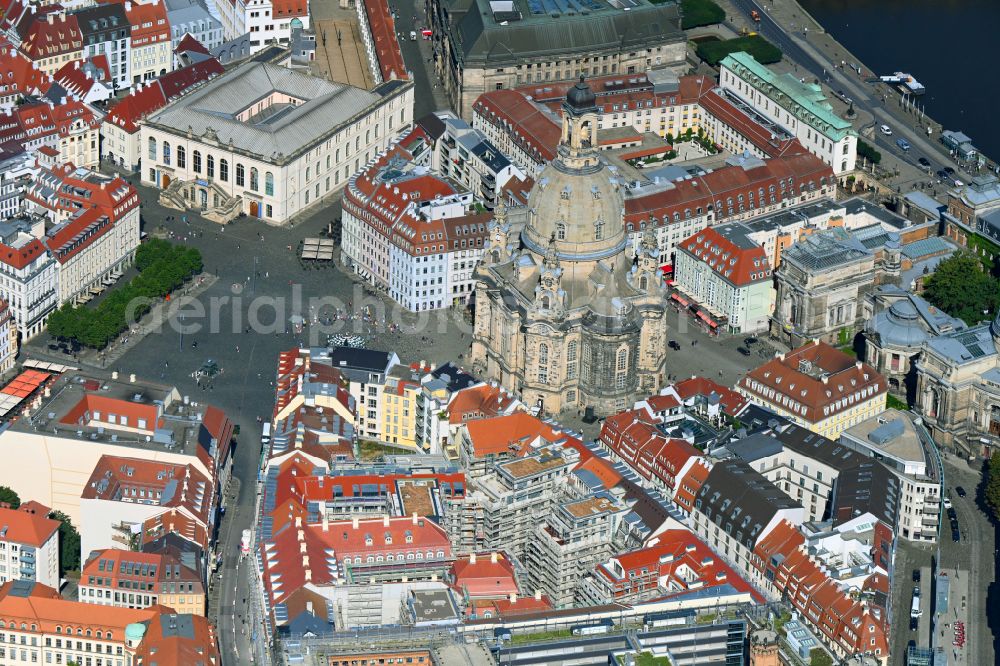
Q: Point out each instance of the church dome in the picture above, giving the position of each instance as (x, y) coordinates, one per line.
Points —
(581, 98)
(581, 209)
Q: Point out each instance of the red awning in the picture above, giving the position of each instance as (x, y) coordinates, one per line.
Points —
(667, 268)
(680, 299)
(426, 33)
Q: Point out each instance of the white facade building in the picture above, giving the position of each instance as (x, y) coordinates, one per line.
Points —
(799, 108)
(28, 274)
(265, 21)
(29, 546)
(267, 141)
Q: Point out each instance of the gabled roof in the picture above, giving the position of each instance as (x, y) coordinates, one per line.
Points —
(503, 434)
(18, 526)
(490, 575)
(154, 96)
(729, 252)
(19, 74)
(479, 402)
(731, 401)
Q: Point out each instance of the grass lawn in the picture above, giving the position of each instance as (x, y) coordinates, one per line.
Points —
(762, 50)
(892, 402)
(540, 636)
(371, 450)
(647, 659)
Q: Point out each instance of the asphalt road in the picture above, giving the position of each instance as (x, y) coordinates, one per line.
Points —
(863, 94)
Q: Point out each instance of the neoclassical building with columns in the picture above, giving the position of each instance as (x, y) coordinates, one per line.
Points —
(267, 141)
(567, 314)
(958, 388)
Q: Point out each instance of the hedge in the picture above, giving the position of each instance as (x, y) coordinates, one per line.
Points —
(698, 13)
(762, 50)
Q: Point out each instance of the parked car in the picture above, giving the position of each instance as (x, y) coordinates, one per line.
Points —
(673, 344)
(943, 175)
(947, 505)
(955, 536)
(743, 350)
(960, 491)
(750, 341)
(949, 170)
(914, 623)
(916, 575)
(885, 129)
(924, 162)
(903, 144)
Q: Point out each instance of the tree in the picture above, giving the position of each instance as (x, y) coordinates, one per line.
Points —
(697, 13)
(10, 497)
(992, 490)
(961, 288)
(868, 152)
(69, 542)
(820, 657)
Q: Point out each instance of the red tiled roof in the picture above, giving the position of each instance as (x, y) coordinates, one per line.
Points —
(383, 32)
(190, 43)
(676, 563)
(479, 402)
(45, 609)
(500, 434)
(41, 39)
(531, 129)
(149, 22)
(154, 96)
(731, 401)
(22, 527)
(484, 578)
(290, 8)
(761, 137)
(19, 75)
(163, 644)
(633, 436)
(738, 265)
(818, 381)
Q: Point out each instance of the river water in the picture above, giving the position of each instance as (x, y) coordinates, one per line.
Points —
(950, 46)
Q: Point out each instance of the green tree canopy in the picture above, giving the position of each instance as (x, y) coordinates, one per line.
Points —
(69, 542)
(992, 491)
(961, 288)
(819, 657)
(10, 497)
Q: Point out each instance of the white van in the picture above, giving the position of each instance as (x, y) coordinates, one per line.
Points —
(265, 435)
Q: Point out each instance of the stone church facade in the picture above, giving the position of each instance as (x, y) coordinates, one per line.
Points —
(567, 314)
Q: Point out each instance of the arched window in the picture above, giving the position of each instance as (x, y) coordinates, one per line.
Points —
(152, 148)
(543, 363)
(239, 175)
(543, 353)
(254, 179)
(210, 166)
(621, 367)
(196, 161)
(560, 231)
(224, 171)
(166, 152)
(269, 184)
(571, 351)
(181, 157)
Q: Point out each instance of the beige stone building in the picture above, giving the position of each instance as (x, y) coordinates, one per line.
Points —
(566, 314)
(483, 45)
(958, 388)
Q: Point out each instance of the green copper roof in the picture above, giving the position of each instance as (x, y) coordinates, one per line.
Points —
(805, 100)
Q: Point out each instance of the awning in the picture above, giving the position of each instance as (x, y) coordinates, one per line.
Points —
(667, 268)
(680, 299)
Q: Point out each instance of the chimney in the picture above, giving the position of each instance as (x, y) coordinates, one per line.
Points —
(472, 558)
(825, 379)
(538, 595)
(354, 522)
(128, 6)
(493, 558)
(513, 597)
(857, 364)
(309, 606)
(50, 17)
(415, 517)
(298, 521)
(385, 521)
(326, 522)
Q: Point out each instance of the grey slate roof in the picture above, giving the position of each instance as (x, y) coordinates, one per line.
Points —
(910, 320)
(738, 497)
(578, 27)
(274, 137)
(966, 346)
(866, 488)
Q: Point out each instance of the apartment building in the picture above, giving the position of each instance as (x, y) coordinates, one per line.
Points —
(105, 30)
(893, 439)
(42, 627)
(735, 507)
(724, 271)
(128, 579)
(50, 38)
(29, 545)
(150, 49)
(381, 39)
(817, 387)
(29, 273)
(126, 497)
(799, 108)
(82, 419)
(366, 372)
(265, 21)
(569, 542)
(481, 443)
(64, 131)
(95, 230)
